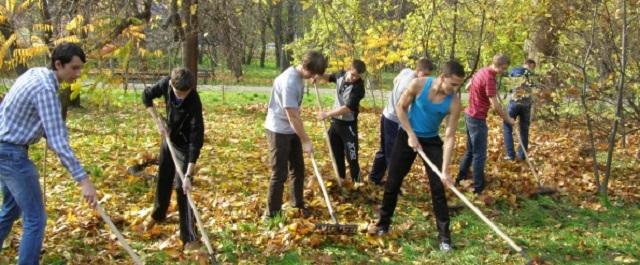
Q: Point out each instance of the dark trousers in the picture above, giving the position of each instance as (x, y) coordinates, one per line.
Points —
(522, 112)
(286, 158)
(167, 179)
(476, 154)
(344, 144)
(401, 161)
(388, 133)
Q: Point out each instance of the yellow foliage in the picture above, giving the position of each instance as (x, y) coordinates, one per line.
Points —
(75, 89)
(24, 6)
(10, 5)
(72, 38)
(42, 27)
(5, 47)
(76, 22)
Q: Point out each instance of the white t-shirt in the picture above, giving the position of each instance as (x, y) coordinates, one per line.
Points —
(400, 83)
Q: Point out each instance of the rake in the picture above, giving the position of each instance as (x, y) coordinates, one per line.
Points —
(336, 227)
(205, 238)
(326, 137)
(542, 190)
(477, 211)
(121, 240)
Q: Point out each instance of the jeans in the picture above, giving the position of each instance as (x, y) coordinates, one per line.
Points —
(21, 196)
(523, 113)
(476, 153)
(388, 133)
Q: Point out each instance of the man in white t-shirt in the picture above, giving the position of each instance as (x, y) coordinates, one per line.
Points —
(285, 132)
(389, 121)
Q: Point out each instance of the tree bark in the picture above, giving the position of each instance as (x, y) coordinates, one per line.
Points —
(619, 107)
(452, 55)
(290, 33)
(276, 14)
(263, 44)
(190, 43)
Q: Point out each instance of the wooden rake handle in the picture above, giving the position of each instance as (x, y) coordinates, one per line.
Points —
(324, 190)
(326, 137)
(121, 240)
(477, 211)
(526, 157)
(178, 167)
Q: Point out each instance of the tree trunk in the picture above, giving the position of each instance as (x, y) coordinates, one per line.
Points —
(190, 43)
(276, 13)
(290, 34)
(583, 100)
(248, 57)
(619, 107)
(452, 55)
(263, 44)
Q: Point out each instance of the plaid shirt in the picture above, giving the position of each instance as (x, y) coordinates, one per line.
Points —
(30, 110)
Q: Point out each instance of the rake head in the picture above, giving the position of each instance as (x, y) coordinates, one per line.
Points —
(336, 229)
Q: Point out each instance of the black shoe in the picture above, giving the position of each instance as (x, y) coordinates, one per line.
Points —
(379, 183)
(304, 212)
(459, 179)
(457, 182)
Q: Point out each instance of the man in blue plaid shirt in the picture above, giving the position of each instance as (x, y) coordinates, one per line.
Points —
(29, 111)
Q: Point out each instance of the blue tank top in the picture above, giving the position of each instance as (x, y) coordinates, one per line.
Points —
(425, 116)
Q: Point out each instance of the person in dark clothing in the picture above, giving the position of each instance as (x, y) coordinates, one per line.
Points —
(185, 128)
(343, 133)
(421, 110)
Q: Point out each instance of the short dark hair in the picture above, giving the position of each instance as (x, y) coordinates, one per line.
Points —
(529, 61)
(424, 64)
(314, 62)
(182, 79)
(501, 60)
(452, 68)
(359, 66)
(65, 52)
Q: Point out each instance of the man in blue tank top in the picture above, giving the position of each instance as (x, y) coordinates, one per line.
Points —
(421, 109)
(389, 120)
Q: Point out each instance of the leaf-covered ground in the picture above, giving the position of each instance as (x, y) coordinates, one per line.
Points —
(572, 227)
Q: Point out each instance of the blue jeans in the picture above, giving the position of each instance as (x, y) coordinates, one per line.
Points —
(388, 132)
(476, 154)
(523, 113)
(21, 195)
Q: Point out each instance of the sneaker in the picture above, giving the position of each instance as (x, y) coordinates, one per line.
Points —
(445, 247)
(508, 158)
(376, 230)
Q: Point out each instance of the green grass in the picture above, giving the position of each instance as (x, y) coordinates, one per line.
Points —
(554, 230)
